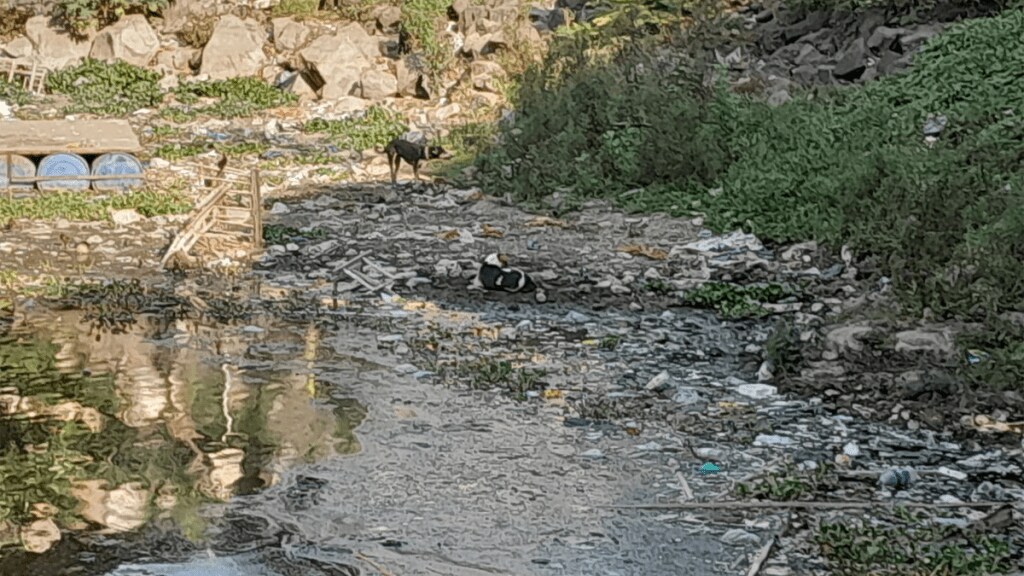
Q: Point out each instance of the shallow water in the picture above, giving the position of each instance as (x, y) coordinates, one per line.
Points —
(281, 449)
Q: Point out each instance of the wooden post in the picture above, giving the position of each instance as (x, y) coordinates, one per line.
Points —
(7, 169)
(257, 209)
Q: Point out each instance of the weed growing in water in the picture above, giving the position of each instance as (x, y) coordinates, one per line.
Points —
(486, 374)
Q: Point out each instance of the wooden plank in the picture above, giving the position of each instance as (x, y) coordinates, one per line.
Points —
(40, 137)
(257, 210)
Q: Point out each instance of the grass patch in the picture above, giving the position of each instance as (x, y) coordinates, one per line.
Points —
(423, 20)
(785, 486)
(734, 300)
(105, 89)
(79, 15)
(76, 206)
(237, 97)
(914, 549)
(464, 142)
(278, 234)
(13, 93)
(374, 128)
(295, 8)
(847, 166)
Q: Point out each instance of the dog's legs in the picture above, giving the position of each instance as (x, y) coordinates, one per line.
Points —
(394, 169)
(416, 169)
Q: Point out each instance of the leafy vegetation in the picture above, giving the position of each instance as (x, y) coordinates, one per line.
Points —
(106, 89)
(77, 206)
(422, 21)
(13, 93)
(375, 128)
(921, 548)
(846, 166)
(732, 300)
(295, 8)
(237, 97)
(79, 15)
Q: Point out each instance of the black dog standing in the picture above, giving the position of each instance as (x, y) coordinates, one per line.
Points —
(413, 153)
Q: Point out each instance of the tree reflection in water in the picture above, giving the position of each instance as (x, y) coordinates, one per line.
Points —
(108, 431)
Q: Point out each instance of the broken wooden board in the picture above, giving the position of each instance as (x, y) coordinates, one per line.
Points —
(42, 137)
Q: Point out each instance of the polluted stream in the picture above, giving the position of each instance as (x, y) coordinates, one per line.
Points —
(280, 446)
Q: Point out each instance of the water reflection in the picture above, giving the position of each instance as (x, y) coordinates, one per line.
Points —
(109, 431)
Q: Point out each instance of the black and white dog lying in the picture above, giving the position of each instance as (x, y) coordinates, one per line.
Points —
(495, 274)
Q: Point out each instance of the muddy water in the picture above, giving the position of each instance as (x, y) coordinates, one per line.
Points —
(279, 448)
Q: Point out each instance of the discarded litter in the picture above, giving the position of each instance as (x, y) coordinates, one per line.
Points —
(898, 478)
(709, 468)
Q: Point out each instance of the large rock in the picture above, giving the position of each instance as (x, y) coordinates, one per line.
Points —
(485, 75)
(289, 35)
(52, 47)
(235, 49)
(356, 35)
(409, 72)
(853, 63)
(20, 47)
(377, 84)
(388, 18)
(130, 39)
(177, 59)
(336, 64)
(182, 13)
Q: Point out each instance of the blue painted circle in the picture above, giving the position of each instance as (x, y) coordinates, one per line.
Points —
(21, 167)
(116, 163)
(63, 164)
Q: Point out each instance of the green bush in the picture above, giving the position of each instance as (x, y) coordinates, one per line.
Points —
(375, 128)
(846, 166)
(81, 14)
(237, 96)
(106, 89)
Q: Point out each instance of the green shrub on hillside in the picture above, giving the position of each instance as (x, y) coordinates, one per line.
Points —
(237, 96)
(850, 166)
(81, 14)
(106, 89)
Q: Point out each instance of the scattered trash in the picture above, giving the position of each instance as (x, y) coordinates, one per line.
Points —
(934, 125)
(709, 468)
(645, 251)
(757, 391)
(976, 356)
(898, 478)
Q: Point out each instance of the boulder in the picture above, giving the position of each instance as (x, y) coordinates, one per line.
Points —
(20, 47)
(235, 49)
(408, 73)
(289, 35)
(177, 59)
(356, 35)
(853, 62)
(485, 75)
(130, 39)
(884, 38)
(483, 44)
(376, 84)
(335, 65)
(388, 18)
(53, 47)
(182, 13)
